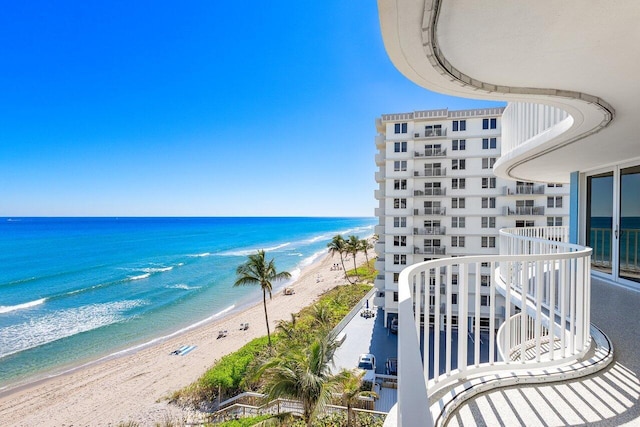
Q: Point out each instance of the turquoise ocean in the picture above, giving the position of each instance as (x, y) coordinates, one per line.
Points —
(74, 290)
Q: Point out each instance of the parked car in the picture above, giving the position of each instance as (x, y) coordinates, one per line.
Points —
(392, 366)
(394, 325)
(367, 362)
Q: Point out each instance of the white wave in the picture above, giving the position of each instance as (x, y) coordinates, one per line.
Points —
(141, 276)
(246, 252)
(10, 308)
(204, 254)
(180, 264)
(61, 324)
(157, 269)
(320, 237)
(313, 258)
(183, 287)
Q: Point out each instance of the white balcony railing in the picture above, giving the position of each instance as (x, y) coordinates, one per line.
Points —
(428, 231)
(523, 190)
(430, 192)
(431, 172)
(431, 152)
(523, 210)
(438, 210)
(500, 315)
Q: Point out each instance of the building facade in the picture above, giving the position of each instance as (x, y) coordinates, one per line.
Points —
(438, 196)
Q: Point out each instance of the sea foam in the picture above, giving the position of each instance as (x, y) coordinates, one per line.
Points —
(245, 252)
(61, 324)
(10, 308)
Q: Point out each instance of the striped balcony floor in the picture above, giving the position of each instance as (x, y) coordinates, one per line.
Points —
(610, 397)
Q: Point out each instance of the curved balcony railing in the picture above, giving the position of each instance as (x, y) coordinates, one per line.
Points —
(500, 315)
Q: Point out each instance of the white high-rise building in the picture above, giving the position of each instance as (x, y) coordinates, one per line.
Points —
(438, 197)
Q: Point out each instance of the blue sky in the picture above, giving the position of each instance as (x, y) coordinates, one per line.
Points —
(194, 108)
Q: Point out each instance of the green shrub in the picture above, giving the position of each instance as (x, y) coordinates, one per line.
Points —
(229, 375)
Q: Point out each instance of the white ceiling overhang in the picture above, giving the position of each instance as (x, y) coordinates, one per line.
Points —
(580, 56)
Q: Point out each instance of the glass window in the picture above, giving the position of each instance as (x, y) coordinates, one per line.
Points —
(458, 164)
(459, 125)
(488, 202)
(459, 144)
(488, 222)
(400, 147)
(488, 241)
(488, 162)
(458, 203)
(488, 183)
(399, 203)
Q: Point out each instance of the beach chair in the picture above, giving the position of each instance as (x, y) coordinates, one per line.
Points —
(222, 334)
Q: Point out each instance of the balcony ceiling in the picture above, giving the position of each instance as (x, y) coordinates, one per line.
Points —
(582, 57)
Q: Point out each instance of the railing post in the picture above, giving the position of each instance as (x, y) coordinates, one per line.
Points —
(436, 326)
(463, 316)
(448, 321)
(413, 401)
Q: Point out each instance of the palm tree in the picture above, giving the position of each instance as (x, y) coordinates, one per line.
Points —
(350, 383)
(365, 246)
(337, 245)
(258, 271)
(353, 247)
(321, 316)
(288, 327)
(303, 374)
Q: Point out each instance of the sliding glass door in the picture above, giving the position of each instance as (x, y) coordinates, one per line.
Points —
(628, 245)
(613, 223)
(600, 236)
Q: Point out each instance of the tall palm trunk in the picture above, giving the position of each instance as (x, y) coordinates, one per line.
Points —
(344, 269)
(266, 316)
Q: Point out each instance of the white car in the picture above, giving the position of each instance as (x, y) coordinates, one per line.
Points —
(367, 362)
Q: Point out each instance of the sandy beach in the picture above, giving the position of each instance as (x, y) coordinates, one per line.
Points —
(135, 387)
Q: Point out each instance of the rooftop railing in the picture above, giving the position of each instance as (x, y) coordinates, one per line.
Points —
(499, 316)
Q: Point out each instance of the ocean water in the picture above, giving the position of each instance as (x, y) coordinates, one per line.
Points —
(76, 289)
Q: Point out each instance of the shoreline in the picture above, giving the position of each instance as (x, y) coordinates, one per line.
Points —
(133, 384)
(245, 304)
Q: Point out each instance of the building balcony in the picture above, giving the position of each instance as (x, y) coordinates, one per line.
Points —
(379, 176)
(431, 133)
(523, 210)
(518, 190)
(430, 250)
(429, 231)
(380, 141)
(544, 334)
(439, 211)
(430, 192)
(380, 158)
(430, 172)
(378, 194)
(431, 153)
